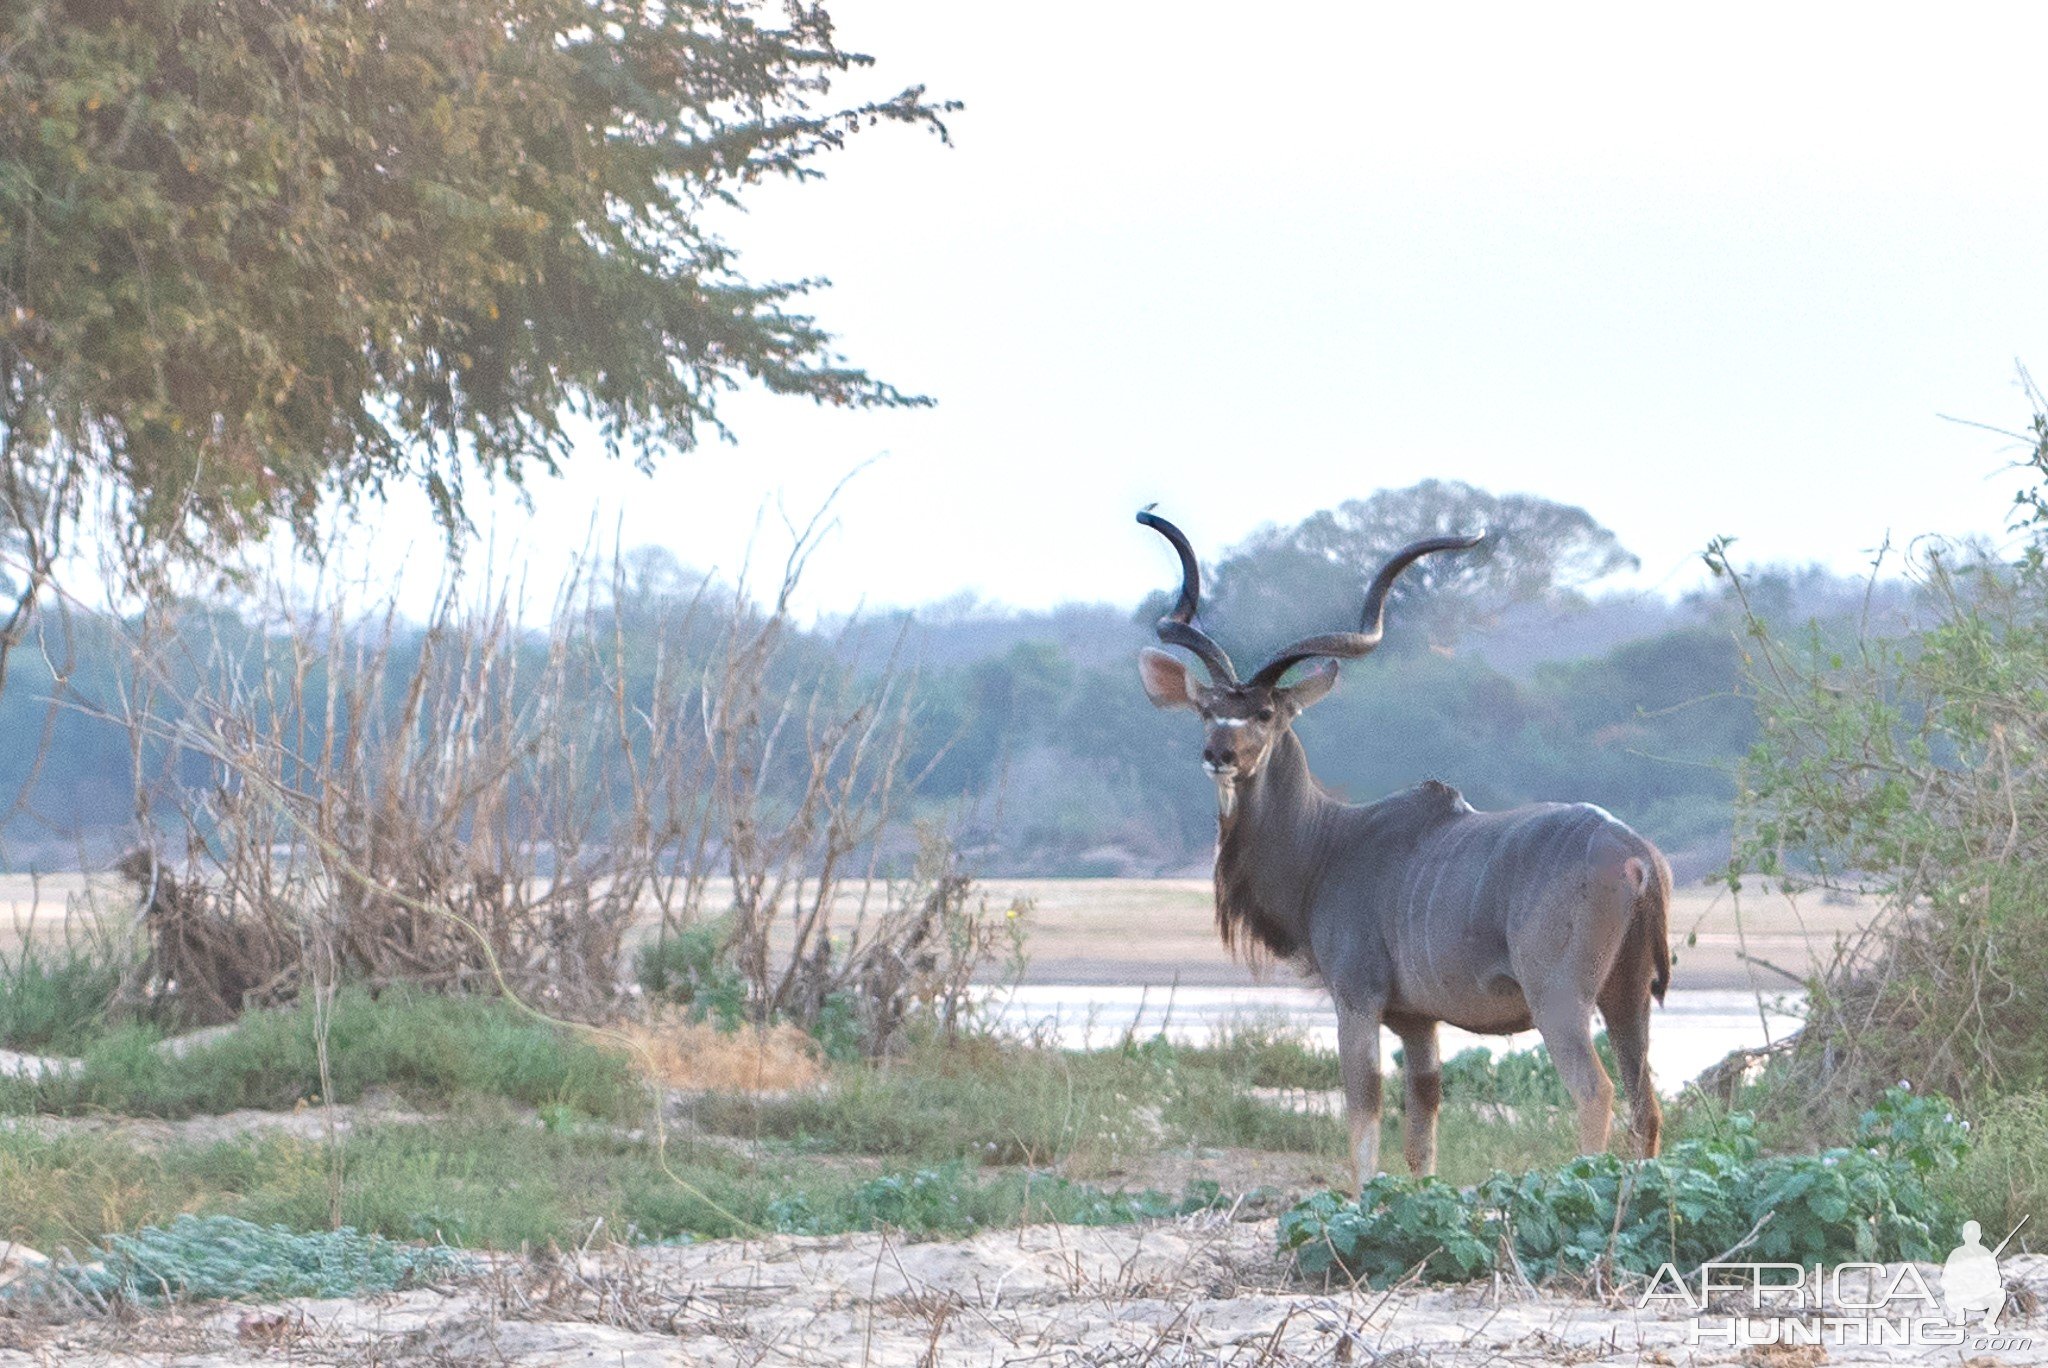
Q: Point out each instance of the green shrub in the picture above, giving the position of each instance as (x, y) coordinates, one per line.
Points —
(1907, 762)
(1884, 1197)
(424, 1045)
(1394, 1226)
(2004, 1174)
(693, 968)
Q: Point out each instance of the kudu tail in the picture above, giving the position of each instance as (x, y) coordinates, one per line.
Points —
(1649, 928)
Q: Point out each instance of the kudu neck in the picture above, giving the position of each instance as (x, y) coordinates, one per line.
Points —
(1271, 836)
(1276, 806)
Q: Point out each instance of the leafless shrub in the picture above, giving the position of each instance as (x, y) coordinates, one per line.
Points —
(421, 807)
(205, 962)
(808, 782)
(475, 806)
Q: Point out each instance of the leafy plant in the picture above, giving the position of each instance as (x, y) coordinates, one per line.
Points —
(1702, 1198)
(1396, 1226)
(1921, 1130)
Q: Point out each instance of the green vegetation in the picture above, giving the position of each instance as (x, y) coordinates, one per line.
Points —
(210, 1257)
(484, 1177)
(539, 1132)
(424, 1046)
(1913, 763)
(939, 1138)
(1889, 1195)
(52, 1001)
(2004, 1175)
(1263, 1053)
(996, 1102)
(692, 968)
(285, 256)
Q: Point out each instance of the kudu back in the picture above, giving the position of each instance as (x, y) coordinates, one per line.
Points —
(1419, 909)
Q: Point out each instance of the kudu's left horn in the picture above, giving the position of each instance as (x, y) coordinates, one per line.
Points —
(1177, 627)
(1371, 622)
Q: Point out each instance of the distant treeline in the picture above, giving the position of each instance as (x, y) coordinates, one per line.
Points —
(1633, 702)
(1032, 738)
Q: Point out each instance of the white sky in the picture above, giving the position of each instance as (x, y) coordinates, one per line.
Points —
(1706, 273)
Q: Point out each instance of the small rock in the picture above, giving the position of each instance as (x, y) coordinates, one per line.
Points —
(29, 1066)
(267, 1327)
(177, 1047)
(18, 1261)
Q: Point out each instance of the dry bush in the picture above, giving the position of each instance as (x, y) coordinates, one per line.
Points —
(386, 805)
(207, 959)
(807, 788)
(475, 806)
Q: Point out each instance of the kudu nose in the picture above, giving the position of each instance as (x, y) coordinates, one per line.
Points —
(1218, 756)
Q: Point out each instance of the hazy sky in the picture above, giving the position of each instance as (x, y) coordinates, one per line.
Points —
(1711, 271)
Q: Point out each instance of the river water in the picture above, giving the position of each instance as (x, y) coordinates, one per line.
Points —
(1693, 1030)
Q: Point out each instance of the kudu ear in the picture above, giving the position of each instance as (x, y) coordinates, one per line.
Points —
(1312, 685)
(1166, 680)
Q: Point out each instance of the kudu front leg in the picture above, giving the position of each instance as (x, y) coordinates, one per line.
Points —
(1358, 1059)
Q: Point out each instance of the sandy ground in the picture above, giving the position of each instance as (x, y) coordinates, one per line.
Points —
(1161, 931)
(1206, 1290)
(1210, 1290)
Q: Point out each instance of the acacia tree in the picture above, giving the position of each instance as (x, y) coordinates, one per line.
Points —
(254, 253)
(1285, 583)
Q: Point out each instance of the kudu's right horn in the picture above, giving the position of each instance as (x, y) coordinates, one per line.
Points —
(1371, 622)
(1177, 627)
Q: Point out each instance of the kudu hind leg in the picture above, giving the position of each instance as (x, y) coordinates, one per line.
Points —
(1627, 1014)
(1358, 1059)
(1424, 1095)
(1568, 1034)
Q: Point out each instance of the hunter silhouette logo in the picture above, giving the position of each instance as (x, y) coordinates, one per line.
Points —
(1970, 1283)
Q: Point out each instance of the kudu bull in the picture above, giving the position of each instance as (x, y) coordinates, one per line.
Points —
(1419, 909)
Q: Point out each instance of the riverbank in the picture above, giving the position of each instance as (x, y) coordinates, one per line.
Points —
(1162, 931)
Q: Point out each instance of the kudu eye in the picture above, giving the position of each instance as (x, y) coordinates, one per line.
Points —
(1265, 714)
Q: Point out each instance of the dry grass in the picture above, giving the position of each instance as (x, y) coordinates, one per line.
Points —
(672, 1052)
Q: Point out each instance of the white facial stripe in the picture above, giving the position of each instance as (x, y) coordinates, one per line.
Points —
(1229, 721)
